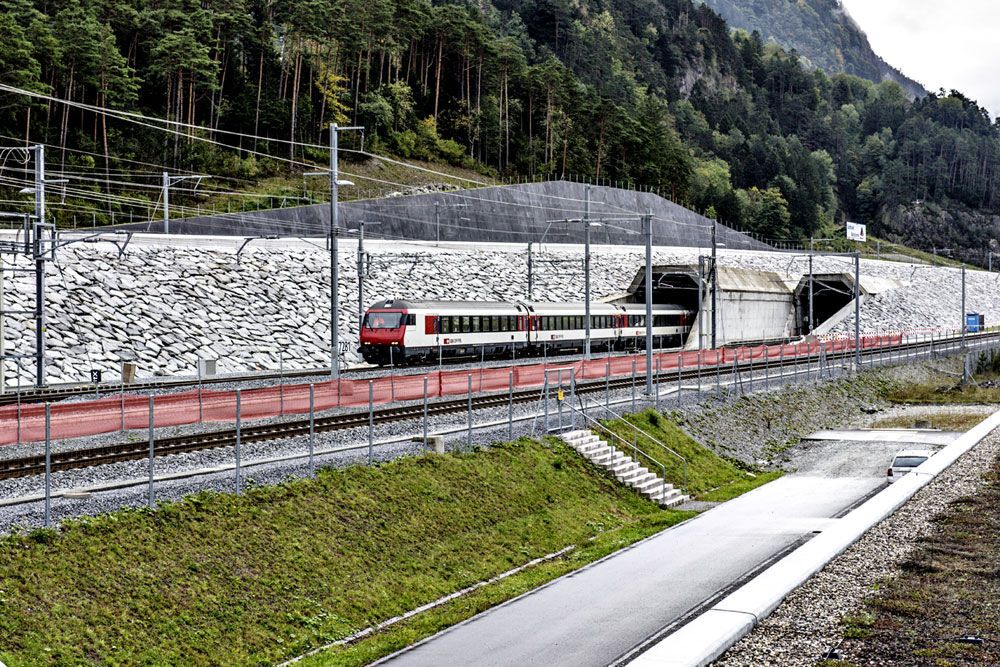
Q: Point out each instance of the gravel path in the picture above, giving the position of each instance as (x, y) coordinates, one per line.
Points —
(807, 624)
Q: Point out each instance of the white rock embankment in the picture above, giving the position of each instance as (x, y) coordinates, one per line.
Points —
(166, 306)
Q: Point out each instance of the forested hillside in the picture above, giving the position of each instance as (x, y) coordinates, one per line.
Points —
(820, 31)
(660, 94)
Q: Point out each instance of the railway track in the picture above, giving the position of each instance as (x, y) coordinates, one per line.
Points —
(83, 458)
(53, 394)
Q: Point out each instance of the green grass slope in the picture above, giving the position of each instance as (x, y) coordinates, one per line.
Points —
(258, 578)
(708, 475)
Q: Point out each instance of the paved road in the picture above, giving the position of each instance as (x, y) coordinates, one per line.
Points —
(598, 613)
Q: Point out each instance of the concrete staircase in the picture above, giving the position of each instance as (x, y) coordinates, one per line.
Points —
(624, 467)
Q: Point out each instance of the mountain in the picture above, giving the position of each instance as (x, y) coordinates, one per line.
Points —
(660, 94)
(821, 31)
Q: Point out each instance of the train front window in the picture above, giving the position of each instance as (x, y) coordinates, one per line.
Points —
(384, 320)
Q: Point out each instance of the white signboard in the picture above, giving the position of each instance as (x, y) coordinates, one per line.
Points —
(857, 232)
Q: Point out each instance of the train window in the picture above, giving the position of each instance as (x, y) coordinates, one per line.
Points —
(384, 320)
(466, 325)
(495, 323)
(475, 324)
(411, 320)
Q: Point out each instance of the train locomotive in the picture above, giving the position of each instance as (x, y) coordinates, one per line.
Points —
(403, 332)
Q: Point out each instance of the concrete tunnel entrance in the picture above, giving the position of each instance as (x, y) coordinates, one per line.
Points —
(751, 305)
(832, 293)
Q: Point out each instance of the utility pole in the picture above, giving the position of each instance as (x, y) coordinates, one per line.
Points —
(166, 203)
(531, 277)
(167, 181)
(965, 321)
(857, 311)
(335, 182)
(334, 269)
(701, 300)
(810, 326)
(647, 228)
(586, 275)
(965, 326)
(361, 270)
(39, 266)
(714, 277)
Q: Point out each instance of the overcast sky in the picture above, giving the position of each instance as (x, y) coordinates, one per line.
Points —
(946, 45)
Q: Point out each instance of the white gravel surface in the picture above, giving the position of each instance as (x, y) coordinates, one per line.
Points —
(166, 307)
(807, 624)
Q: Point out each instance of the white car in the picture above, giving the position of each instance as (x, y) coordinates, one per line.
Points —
(905, 461)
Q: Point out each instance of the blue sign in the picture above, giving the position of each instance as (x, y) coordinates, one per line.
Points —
(974, 322)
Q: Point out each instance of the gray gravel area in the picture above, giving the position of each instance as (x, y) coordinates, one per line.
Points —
(807, 624)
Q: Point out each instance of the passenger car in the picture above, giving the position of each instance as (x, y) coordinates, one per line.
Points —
(905, 461)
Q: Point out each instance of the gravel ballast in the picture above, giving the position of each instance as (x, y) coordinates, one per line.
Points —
(808, 623)
(200, 465)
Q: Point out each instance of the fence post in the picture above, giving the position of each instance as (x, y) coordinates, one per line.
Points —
(152, 451)
(468, 435)
(371, 420)
(425, 410)
(48, 464)
(312, 427)
(123, 408)
(678, 382)
(718, 374)
(607, 382)
(281, 383)
(633, 385)
(510, 405)
(545, 392)
(767, 370)
(559, 403)
(699, 373)
(239, 425)
(656, 387)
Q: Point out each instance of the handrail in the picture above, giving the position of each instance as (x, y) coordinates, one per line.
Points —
(622, 418)
(635, 448)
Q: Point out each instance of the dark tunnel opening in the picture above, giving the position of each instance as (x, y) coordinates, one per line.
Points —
(830, 294)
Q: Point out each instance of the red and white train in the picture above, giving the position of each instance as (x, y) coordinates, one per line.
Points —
(401, 332)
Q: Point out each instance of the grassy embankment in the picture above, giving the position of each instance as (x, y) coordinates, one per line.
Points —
(945, 421)
(253, 579)
(709, 476)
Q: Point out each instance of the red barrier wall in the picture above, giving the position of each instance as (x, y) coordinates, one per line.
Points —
(106, 415)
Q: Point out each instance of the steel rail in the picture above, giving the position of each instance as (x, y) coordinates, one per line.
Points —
(88, 457)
